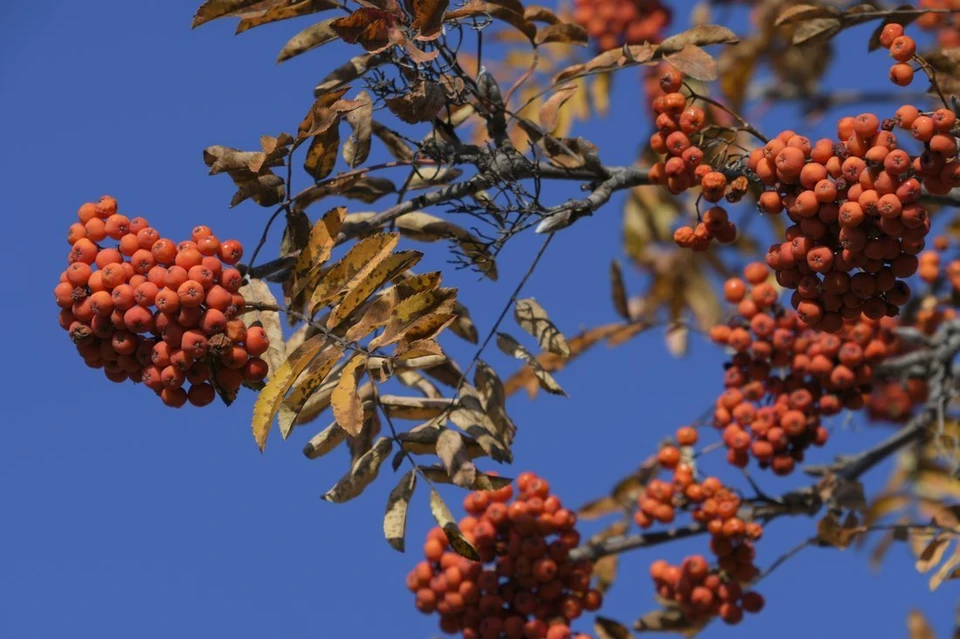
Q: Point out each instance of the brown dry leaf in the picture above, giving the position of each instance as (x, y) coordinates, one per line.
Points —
(512, 15)
(414, 408)
(549, 116)
(805, 12)
(363, 257)
(427, 17)
(310, 38)
(359, 289)
(395, 519)
(357, 147)
(213, 9)
(346, 404)
(839, 535)
(494, 399)
(361, 474)
(563, 32)
(472, 417)
(463, 326)
(396, 145)
(324, 441)
(534, 320)
(257, 292)
(452, 451)
(354, 68)
(438, 475)
(933, 552)
(667, 620)
(700, 36)
(618, 290)
(918, 627)
(285, 11)
(421, 104)
(882, 506)
(513, 348)
(949, 570)
(322, 155)
(443, 516)
(610, 629)
(424, 227)
(376, 314)
(694, 62)
(268, 402)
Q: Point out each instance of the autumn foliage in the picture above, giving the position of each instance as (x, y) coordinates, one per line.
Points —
(850, 310)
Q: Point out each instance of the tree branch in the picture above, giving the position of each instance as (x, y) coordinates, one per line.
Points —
(808, 500)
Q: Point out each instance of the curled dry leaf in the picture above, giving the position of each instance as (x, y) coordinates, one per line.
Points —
(284, 11)
(213, 9)
(701, 36)
(357, 147)
(324, 441)
(443, 516)
(363, 472)
(395, 519)
(452, 451)
(549, 115)
(350, 71)
(667, 620)
(310, 38)
(345, 401)
(619, 291)
(463, 326)
(513, 348)
(421, 104)
(918, 627)
(438, 475)
(694, 62)
(610, 629)
(428, 17)
(933, 552)
(415, 408)
(534, 320)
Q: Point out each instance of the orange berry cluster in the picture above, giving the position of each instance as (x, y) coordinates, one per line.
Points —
(785, 375)
(526, 586)
(613, 23)
(858, 226)
(146, 309)
(701, 591)
(946, 25)
(676, 121)
(902, 49)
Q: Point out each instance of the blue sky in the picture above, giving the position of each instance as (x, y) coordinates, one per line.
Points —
(123, 518)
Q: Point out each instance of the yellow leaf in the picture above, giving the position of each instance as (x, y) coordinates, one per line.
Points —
(272, 394)
(369, 250)
(358, 293)
(293, 405)
(346, 404)
(317, 252)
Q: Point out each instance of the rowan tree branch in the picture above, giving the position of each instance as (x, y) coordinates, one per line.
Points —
(936, 361)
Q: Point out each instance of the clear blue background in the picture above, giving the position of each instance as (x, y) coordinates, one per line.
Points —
(123, 518)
